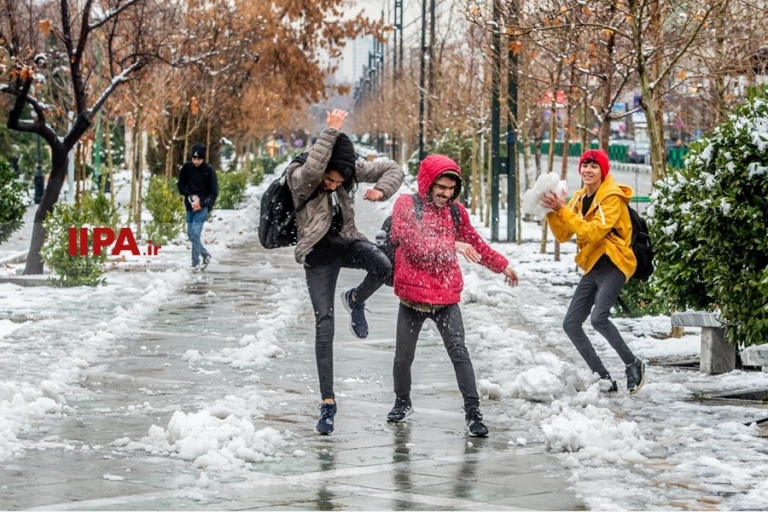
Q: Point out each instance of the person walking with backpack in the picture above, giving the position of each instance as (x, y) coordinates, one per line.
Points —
(428, 231)
(200, 188)
(598, 215)
(328, 240)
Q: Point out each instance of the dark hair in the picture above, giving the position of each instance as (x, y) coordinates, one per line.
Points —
(456, 177)
(350, 178)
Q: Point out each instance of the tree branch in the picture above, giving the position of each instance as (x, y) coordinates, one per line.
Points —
(569, 27)
(78, 88)
(84, 31)
(113, 14)
(684, 50)
(79, 127)
(14, 116)
(116, 82)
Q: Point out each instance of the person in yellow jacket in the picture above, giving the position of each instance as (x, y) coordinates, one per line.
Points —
(599, 217)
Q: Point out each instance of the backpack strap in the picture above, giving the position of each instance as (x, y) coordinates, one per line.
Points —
(615, 232)
(300, 159)
(456, 214)
(418, 207)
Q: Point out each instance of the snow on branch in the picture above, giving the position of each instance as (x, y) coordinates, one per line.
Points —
(111, 14)
(116, 81)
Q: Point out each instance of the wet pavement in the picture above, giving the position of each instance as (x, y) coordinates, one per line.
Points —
(427, 463)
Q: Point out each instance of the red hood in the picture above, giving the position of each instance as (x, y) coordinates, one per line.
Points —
(430, 169)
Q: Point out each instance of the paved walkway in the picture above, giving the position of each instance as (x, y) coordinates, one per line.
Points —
(426, 464)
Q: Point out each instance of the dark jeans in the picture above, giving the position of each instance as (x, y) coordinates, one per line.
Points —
(195, 221)
(451, 327)
(600, 287)
(322, 271)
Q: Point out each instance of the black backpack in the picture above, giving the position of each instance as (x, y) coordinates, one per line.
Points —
(641, 246)
(384, 240)
(277, 227)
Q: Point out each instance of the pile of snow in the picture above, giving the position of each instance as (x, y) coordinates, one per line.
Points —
(594, 435)
(7, 327)
(221, 437)
(545, 183)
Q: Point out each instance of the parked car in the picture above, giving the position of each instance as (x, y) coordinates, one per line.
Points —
(638, 152)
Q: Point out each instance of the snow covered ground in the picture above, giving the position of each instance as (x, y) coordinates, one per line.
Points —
(660, 449)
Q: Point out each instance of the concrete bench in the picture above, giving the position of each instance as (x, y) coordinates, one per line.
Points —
(756, 355)
(717, 355)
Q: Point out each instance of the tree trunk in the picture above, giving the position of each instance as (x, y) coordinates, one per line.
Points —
(78, 172)
(537, 154)
(475, 177)
(608, 71)
(139, 184)
(566, 139)
(649, 103)
(59, 165)
(525, 134)
(489, 178)
(552, 136)
(586, 140)
(110, 163)
(186, 136)
(208, 136)
(518, 203)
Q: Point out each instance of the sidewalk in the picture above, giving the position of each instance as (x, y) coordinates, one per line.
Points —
(167, 390)
(239, 339)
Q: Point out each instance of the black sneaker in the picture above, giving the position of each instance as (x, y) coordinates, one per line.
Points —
(400, 411)
(607, 384)
(635, 376)
(206, 261)
(475, 425)
(357, 323)
(325, 424)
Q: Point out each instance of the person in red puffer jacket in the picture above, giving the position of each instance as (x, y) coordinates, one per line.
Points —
(428, 231)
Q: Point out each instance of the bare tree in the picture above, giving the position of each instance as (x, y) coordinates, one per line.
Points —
(121, 26)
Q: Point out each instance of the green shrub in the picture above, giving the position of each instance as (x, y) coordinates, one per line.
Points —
(167, 209)
(70, 270)
(637, 299)
(12, 206)
(231, 189)
(255, 172)
(708, 225)
(99, 210)
(269, 164)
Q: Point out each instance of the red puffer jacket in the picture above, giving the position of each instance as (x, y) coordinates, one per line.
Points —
(426, 265)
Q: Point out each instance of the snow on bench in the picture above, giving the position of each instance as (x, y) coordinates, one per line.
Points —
(717, 355)
(756, 355)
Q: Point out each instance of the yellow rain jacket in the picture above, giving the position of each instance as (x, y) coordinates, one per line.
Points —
(594, 231)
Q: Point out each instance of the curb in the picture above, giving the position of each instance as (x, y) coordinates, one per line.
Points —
(17, 257)
(622, 166)
(36, 280)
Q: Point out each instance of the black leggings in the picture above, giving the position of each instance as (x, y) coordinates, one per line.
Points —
(451, 327)
(322, 271)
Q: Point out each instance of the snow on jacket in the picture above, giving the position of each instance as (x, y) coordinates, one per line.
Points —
(314, 221)
(427, 269)
(594, 231)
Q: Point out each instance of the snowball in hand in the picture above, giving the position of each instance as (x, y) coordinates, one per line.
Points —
(549, 182)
